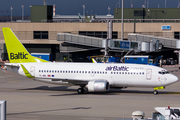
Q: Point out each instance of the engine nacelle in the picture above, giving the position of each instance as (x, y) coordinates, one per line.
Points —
(98, 86)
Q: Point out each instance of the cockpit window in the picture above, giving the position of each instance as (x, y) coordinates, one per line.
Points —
(163, 72)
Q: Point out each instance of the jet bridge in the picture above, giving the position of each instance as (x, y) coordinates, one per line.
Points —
(166, 42)
(100, 43)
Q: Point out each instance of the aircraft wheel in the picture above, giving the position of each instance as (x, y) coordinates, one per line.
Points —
(80, 90)
(155, 92)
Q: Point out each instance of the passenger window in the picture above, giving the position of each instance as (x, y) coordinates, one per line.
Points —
(111, 72)
(82, 71)
(44, 70)
(122, 72)
(119, 72)
(79, 71)
(68, 71)
(114, 72)
(89, 72)
(39, 70)
(49, 70)
(52, 71)
(85, 71)
(61, 71)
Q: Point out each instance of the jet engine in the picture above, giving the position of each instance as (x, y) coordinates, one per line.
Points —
(98, 86)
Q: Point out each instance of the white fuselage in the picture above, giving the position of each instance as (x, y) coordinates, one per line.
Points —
(118, 75)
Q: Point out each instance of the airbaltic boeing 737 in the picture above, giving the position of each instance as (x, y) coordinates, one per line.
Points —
(92, 77)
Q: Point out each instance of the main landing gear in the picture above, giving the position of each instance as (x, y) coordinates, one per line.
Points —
(81, 90)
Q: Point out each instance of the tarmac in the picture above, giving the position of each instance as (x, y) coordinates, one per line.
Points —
(32, 100)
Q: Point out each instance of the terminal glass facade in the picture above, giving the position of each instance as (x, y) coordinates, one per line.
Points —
(98, 34)
(40, 34)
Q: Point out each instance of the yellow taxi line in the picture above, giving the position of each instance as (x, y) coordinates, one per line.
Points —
(14, 81)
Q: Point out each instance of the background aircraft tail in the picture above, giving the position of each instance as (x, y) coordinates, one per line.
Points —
(17, 53)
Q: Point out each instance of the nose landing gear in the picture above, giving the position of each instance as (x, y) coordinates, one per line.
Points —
(158, 88)
(155, 92)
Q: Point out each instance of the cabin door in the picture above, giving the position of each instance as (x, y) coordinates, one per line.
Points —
(148, 74)
(32, 70)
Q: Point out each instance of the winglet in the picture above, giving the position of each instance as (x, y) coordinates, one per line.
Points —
(26, 72)
(17, 53)
(93, 60)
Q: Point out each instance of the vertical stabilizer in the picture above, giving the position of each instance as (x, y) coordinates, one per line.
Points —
(17, 53)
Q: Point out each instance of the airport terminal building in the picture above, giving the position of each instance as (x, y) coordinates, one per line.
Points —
(42, 37)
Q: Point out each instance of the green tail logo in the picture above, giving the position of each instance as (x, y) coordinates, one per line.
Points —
(17, 53)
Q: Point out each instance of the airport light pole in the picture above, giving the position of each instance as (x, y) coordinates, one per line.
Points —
(22, 12)
(122, 21)
(84, 13)
(11, 12)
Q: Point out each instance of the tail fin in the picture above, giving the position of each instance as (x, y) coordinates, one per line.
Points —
(17, 53)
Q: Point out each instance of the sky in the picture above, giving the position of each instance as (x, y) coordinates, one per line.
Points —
(73, 7)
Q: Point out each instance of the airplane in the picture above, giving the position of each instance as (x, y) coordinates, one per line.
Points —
(90, 77)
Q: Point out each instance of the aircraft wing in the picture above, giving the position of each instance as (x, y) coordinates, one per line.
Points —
(10, 65)
(69, 81)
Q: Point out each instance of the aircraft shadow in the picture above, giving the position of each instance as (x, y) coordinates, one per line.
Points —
(111, 92)
(76, 108)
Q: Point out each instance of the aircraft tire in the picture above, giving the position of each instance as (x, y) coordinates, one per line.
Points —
(155, 92)
(80, 90)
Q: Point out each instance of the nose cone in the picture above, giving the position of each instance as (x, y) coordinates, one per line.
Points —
(174, 78)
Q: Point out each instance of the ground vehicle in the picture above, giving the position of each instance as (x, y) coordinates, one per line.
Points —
(142, 60)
